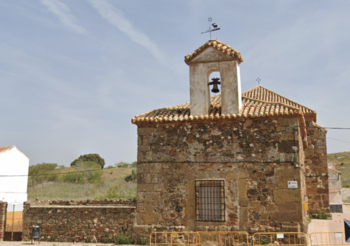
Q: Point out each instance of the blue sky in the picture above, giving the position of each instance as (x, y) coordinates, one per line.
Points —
(73, 73)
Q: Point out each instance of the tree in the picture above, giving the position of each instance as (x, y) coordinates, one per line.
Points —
(90, 157)
(122, 164)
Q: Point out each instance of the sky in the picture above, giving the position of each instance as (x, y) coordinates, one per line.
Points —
(74, 73)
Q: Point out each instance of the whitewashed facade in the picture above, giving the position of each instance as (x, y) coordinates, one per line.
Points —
(13, 188)
(335, 197)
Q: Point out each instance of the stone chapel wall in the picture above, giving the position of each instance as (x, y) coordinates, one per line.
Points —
(3, 211)
(80, 221)
(253, 156)
(316, 169)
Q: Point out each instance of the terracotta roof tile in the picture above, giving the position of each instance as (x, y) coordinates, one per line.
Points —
(257, 102)
(334, 170)
(3, 149)
(217, 45)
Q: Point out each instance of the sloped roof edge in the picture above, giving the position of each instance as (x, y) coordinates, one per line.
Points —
(228, 50)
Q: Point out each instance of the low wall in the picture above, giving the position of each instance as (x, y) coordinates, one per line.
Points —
(80, 221)
(3, 208)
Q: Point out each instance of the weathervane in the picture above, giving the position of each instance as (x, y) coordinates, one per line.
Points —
(258, 79)
(215, 27)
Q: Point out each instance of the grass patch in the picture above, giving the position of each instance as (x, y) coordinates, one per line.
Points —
(98, 184)
(342, 159)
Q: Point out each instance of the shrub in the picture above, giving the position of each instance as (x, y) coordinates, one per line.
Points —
(131, 177)
(119, 190)
(122, 239)
(41, 173)
(143, 241)
(264, 241)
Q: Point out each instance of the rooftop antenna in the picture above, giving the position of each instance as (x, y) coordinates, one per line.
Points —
(214, 25)
(258, 79)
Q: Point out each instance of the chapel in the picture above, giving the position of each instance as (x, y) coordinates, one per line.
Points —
(240, 161)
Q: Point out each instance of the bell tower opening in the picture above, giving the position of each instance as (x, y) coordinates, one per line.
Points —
(214, 68)
(215, 87)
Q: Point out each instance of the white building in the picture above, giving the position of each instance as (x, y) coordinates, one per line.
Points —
(14, 166)
(335, 197)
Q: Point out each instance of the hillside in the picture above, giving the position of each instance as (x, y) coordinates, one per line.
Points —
(342, 159)
(80, 183)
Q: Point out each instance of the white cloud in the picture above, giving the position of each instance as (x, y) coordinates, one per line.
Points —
(116, 17)
(63, 13)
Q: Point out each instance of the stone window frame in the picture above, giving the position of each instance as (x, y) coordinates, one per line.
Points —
(210, 200)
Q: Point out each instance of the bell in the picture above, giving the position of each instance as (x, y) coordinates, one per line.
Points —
(215, 88)
(215, 82)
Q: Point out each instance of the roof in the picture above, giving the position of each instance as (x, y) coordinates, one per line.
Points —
(334, 170)
(256, 102)
(3, 149)
(228, 50)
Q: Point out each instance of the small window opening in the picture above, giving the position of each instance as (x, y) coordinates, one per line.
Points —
(210, 200)
(214, 75)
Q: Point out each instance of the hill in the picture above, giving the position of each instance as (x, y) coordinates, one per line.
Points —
(342, 159)
(79, 183)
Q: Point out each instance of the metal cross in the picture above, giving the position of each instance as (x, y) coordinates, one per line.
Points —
(215, 27)
(258, 79)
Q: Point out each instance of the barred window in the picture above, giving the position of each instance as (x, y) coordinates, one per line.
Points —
(210, 200)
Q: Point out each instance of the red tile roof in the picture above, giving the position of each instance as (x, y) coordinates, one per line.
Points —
(256, 102)
(228, 50)
(3, 149)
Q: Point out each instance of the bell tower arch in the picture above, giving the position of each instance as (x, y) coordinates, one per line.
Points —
(214, 56)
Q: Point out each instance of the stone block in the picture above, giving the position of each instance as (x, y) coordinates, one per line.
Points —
(144, 131)
(156, 167)
(242, 188)
(243, 219)
(158, 187)
(190, 218)
(286, 147)
(286, 207)
(150, 178)
(287, 196)
(143, 148)
(270, 207)
(148, 156)
(292, 216)
(143, 168)
(244, 202)
(145, 187)
(243, 173)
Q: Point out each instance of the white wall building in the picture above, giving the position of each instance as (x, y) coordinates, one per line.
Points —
(334, 184)
(13, 188)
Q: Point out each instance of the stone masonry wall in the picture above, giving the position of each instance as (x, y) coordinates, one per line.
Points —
(79, 223)
(253, 156)
(3, 211)
(316, 169)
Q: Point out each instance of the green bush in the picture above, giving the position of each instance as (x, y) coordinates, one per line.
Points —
(42, 172)
(74, 178)
(131, 177)
(118, 191)
(143, 241)
(264, 241)
(122, 239)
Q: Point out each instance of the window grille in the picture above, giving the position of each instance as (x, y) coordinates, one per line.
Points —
(210, 200)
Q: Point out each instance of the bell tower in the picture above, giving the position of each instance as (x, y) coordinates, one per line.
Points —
(214, 56)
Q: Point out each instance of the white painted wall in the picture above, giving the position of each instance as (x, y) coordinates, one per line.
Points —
(13, 189)
(335, 198)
